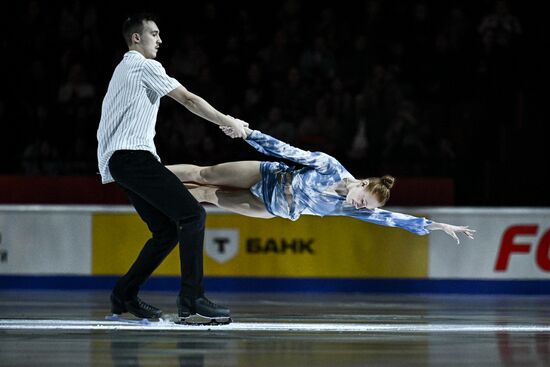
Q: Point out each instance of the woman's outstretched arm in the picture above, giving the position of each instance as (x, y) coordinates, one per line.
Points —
(452, 230)
(417, 225)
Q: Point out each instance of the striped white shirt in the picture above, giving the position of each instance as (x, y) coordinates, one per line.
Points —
(130, 107)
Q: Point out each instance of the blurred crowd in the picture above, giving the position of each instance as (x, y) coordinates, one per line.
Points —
(410, 88)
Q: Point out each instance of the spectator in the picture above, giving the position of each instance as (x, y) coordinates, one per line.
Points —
(41, 157)
(188, 59)
(317, 60)
(76, 86)
(277, 126)
(276, 56)
(254, 98)
(405, 142)
(500, 29)
(293, 95)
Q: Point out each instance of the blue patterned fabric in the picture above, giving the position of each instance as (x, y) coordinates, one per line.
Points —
(289, 191)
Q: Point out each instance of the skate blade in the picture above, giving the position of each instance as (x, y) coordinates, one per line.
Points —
(119, 318)
(198, 319)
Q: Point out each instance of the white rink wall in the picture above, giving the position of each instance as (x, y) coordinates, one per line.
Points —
(510, 243)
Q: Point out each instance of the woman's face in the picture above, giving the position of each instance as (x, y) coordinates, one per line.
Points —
(360, 197)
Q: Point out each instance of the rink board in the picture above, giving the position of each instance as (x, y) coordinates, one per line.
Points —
(68, 244)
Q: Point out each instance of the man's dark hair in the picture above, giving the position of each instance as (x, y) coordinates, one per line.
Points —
(134, 24)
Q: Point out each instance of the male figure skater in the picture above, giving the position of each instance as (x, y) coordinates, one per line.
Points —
(127, 155)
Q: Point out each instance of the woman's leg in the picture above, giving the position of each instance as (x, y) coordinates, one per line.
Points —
(240, 201)
(243, 174)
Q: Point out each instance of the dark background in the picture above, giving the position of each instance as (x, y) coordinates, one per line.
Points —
(452, 89)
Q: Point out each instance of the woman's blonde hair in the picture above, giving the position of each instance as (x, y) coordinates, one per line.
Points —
(380, 187)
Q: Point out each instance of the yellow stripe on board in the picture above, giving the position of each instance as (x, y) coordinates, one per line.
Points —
(117, 240)
(242, 246)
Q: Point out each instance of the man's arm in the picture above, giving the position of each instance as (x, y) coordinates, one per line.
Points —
(201, 108)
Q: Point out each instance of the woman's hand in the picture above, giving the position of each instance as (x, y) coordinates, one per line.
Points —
(234, 133)
(452, 230)
(235, 128)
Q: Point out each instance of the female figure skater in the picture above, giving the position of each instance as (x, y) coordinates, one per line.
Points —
(318, 185)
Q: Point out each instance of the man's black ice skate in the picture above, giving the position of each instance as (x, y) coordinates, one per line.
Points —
(202, 311)
(135, 306)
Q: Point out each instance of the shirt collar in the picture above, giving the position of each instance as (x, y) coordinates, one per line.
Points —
(133, 53)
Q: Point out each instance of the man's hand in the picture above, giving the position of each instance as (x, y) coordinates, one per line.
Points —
(234, 128)
(233, 133)
(452, 230)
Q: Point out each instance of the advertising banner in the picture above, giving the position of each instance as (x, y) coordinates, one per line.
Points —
(45, 243)
(509, 244)
(241, 246)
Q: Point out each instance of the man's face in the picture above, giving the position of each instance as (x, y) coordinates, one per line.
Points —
(149, 40)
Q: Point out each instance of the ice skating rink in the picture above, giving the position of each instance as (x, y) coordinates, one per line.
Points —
(67, 328)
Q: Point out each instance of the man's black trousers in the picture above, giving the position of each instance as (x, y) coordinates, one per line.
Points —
(172, 215)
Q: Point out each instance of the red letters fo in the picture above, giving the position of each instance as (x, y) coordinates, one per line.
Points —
(507, 245)
(543, 257)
